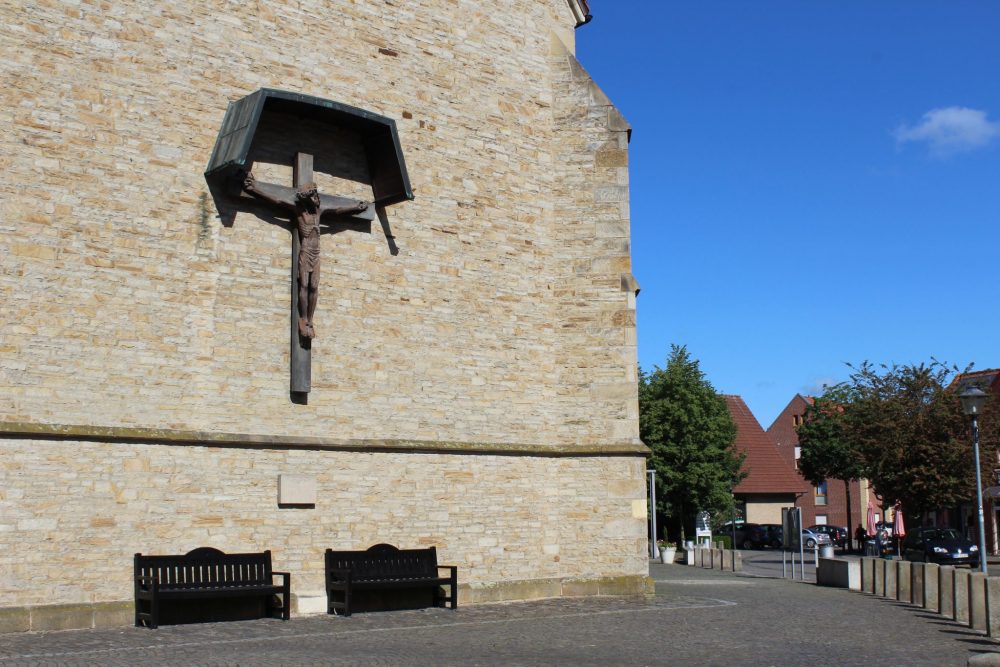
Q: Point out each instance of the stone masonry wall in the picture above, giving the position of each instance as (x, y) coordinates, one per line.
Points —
(499, 518)
(126, 302)
(507, 318)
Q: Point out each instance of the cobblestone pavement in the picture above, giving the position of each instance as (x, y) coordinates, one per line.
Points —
(698, 617)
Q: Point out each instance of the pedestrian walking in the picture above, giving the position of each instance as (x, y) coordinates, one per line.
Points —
(860, 535)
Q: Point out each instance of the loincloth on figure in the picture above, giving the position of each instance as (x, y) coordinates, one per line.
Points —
(309, 258)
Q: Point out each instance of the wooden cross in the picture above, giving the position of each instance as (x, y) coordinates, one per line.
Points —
(305, 215)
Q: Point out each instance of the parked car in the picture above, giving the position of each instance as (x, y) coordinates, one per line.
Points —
(837, 533)
(742, 533)
(944, 546)
(771, 535)
(765, 535)
(812, 539)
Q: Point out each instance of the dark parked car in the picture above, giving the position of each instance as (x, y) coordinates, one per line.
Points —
(742, 533)
(838, 534)
(765, 535)
(940, 545)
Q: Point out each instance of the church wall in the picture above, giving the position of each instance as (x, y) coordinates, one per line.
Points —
(128, 303)
(505, 320)
(499, 518)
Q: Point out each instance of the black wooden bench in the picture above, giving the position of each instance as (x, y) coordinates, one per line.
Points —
(381, 567)
(206, 573)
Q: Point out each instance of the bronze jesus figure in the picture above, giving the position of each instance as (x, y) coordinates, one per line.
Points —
(308, 210)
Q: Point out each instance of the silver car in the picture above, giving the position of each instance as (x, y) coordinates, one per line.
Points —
(812, 539)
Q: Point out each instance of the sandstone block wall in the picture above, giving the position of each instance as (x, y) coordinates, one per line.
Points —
(502, 318)
(499, 518)
(506, 318)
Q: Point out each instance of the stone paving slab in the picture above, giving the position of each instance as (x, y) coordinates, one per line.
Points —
(697, 617)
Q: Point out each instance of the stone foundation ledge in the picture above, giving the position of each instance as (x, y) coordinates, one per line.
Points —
(46, 618)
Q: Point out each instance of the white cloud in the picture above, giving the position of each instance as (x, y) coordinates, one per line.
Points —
(950, 130)
(818, 386)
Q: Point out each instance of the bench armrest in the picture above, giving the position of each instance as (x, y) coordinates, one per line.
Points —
(145, 580)
(286, 577)
(340, 572)
(453, 570)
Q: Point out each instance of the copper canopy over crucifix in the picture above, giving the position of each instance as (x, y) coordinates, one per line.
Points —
(308, 206)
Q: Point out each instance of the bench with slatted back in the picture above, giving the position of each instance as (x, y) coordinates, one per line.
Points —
(383, 566)
(205, 573)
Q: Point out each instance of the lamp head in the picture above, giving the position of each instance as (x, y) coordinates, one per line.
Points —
(973, 401)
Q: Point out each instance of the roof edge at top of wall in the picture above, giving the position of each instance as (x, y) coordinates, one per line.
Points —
(581, 11)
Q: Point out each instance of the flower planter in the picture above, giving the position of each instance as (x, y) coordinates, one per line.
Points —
(667, 554)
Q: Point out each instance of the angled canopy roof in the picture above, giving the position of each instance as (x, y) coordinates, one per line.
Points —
(389, 180)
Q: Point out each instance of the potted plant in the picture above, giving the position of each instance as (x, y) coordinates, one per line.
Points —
(668, 551)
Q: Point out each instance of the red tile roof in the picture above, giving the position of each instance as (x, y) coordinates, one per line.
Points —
(768, 471)
(782, 431)
(987, 380)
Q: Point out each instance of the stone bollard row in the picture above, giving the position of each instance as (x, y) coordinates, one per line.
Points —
(714, 559)
(968, 597)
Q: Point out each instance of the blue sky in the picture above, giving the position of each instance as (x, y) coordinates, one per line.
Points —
(812, 183)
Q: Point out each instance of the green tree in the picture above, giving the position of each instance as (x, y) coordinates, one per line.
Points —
(909, 428)
(687, 426)
(827, 451)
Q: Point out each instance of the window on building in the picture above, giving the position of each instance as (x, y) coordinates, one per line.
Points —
(821, 493)
(820, 519)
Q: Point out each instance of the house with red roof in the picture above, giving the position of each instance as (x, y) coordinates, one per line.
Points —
(825, 503)
(771, 482)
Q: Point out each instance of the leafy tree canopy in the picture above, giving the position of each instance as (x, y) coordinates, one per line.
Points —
(687, 426)
(902, 428)
(827, 451)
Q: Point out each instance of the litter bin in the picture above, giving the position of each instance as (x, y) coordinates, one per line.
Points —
(826, 551)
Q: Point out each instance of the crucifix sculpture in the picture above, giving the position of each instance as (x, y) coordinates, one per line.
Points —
(307, 206)
(270, 126)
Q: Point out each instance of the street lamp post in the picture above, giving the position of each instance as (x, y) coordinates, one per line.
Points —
(654, 551)
(973, 400)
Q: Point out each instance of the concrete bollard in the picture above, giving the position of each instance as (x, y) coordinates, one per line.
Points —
(891, 588)
(993, 606)
(917, 583)
(931, 586)
(716, 559)
(946, 594)
(878, 577)
(737, 561)
(977, 601)
(960, 595)
(727, 559)
(839, 572)
(881, 565)
(868, 574)
(903, 580)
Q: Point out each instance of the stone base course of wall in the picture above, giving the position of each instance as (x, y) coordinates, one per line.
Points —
(47, 618)
(517, 526)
